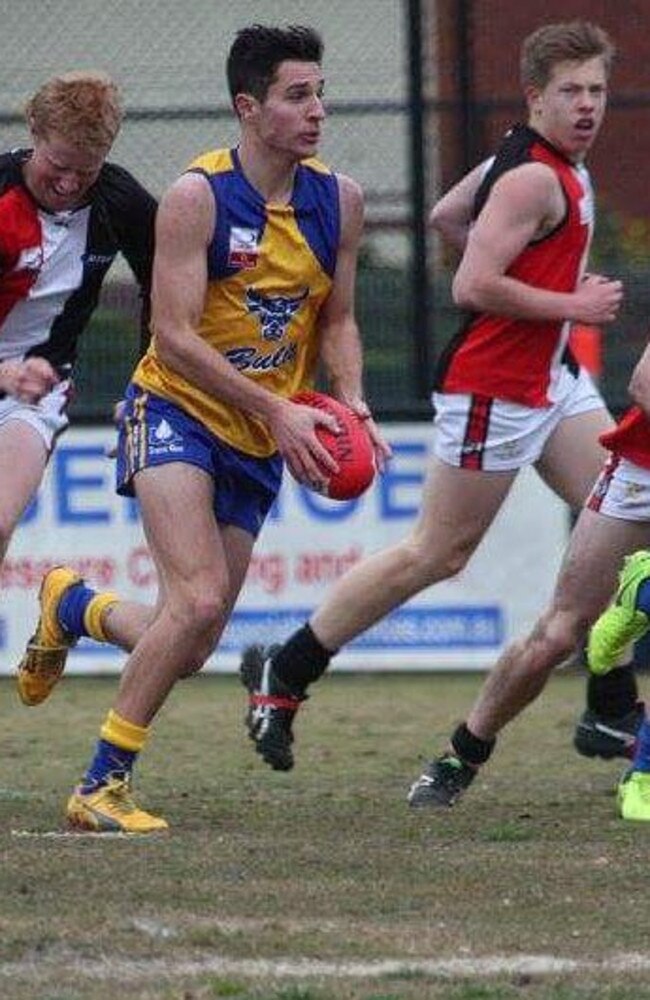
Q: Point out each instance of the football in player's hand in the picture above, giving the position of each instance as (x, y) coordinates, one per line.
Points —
(351, 448)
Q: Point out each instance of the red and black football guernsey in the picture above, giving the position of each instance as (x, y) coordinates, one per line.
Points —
(512, 359)
(52, 265)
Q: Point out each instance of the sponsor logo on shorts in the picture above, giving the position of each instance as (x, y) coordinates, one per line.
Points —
(164, 440)
(509, 450)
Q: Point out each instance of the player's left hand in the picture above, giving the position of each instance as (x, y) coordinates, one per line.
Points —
(28, 380)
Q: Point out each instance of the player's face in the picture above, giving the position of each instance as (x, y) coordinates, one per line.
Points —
(569, 110)
(290, 118)
(60, 174)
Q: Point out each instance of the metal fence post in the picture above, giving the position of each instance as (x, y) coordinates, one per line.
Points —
(421, 290)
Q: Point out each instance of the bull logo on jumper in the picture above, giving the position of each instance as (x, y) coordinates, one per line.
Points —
(274, 311)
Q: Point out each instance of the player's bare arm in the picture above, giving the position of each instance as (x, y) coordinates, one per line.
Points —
(341, 350)
(184, 227)
(451, 216)
(525, 204)
(639, 387)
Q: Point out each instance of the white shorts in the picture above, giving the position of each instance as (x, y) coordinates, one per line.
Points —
(492, 435)
(48, 416)
(622, 490)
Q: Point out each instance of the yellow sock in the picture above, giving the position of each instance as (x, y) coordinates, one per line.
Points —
(124, 734)
(93, 615)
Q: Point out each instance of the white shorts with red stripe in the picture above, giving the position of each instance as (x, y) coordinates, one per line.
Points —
(492, 435)
(622, 490)
(48, 417)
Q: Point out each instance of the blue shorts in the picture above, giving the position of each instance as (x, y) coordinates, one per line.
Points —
(156, 432)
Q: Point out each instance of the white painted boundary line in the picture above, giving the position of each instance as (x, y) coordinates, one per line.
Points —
(77, 836)
(110, 968)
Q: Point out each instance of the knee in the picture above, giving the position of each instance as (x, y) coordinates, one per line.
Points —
(200, 616)
(426, 561)
(196, 658)
(207, 614)
(557, 636)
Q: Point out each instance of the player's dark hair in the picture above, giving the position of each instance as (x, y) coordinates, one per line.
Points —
(573, 41)
(258, 50)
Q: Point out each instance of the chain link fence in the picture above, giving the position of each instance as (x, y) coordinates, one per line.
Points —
(169, 60)
(417, 92)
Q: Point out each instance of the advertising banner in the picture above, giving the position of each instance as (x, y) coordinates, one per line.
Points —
(307, 544)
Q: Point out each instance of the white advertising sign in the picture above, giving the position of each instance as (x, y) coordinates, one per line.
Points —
(306, 545)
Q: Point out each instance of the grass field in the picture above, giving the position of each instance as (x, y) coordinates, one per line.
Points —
(321, 884)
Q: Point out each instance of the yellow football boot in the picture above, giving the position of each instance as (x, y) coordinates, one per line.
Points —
(111, 809)
(44, 659)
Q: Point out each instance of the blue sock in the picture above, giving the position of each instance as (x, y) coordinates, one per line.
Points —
(72, 608)
(642, 754)
(108, 760)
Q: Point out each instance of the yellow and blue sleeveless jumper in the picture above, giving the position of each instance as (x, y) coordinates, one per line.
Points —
(270, 268)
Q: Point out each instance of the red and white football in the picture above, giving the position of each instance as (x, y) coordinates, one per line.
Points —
(351, 448)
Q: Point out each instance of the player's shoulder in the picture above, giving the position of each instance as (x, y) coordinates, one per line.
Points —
(531, 181)
(188, 205)
(530, 172)
(212, 161)
(11, 162)
(315, 164)
(12, 158)
(348, 187)
(119, 186)
(518, 157)
(351, 202)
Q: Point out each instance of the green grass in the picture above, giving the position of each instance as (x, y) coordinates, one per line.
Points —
(325, 865)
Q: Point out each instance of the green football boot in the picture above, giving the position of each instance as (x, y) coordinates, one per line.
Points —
(633, 796)
(622, 623)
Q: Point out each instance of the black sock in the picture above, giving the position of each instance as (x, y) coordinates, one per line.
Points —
(613, 695)
(470, 748)
(301, 660)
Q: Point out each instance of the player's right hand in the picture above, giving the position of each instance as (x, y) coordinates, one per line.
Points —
(294, 428)
(597, 299)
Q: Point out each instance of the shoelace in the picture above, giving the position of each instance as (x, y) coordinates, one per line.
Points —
(119, 791)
